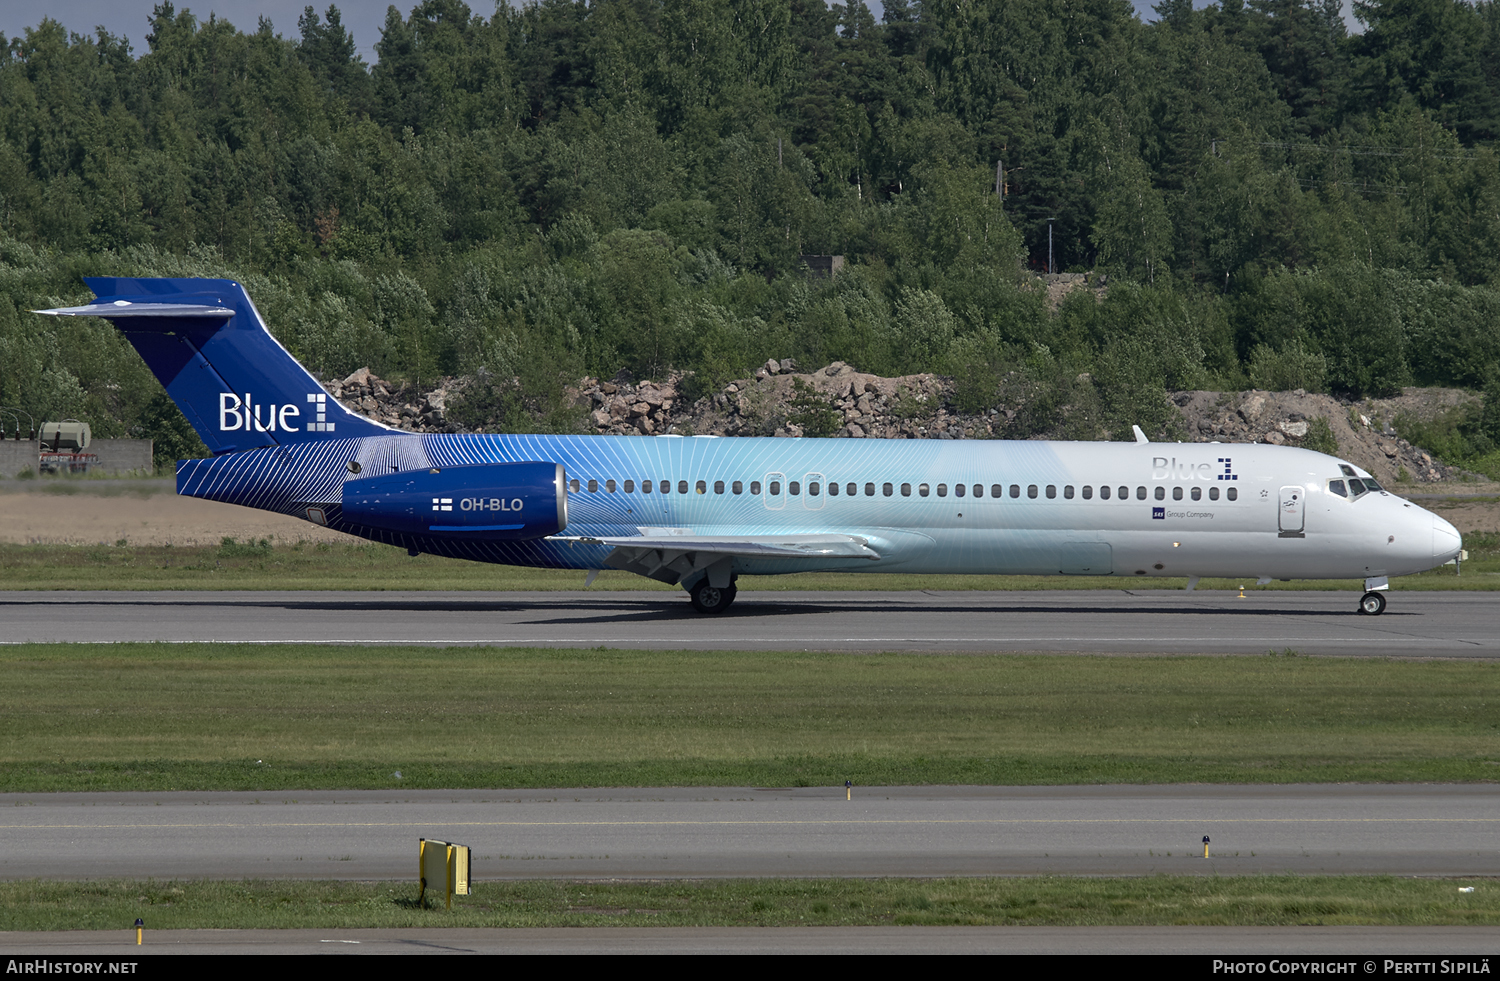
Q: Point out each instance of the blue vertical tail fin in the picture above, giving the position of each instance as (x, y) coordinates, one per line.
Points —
(207, 344)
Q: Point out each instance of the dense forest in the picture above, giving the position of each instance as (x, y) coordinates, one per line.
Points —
(564, 189)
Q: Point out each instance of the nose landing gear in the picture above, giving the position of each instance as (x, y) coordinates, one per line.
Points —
(1372, 604)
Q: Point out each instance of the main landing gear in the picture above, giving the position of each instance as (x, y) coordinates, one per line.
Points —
(1372, 604)
(708, 598)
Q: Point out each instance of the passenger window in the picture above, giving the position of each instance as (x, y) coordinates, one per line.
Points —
(1125, 493)
(906, 490)
(1104, 493)
(682, 487)
(738, 487)
(958, 490)
(833, 488)
(1031, 490)
(1140, 493)
(1088, 492)
(1015, 490)
(978, 490)
(702, 487)
(1213, 493)
(630, 487)
(942, 490)
(812, 488)
(1161, 493)
(573, 485)
(923, 490)
(852, 489)
(1068, 491)
(997, 490)
(1051, 492)
(754, 487)
(593, 486)
(1233, 494)
(775, 488)
(887, 489)
(1176, 493)
(666, 487)
(718, 487)
(1197, 493)
(609, 485)
(869, 490)
(793, 487)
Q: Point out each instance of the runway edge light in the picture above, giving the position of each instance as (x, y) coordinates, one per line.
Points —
(442, 862)
(139, 926)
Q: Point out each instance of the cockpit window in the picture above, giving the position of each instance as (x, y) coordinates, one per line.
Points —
(1357, 486)
(1346, 470)
(1371, 485)
(1337, 487)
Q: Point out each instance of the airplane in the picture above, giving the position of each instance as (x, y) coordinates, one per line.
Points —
(701, 511)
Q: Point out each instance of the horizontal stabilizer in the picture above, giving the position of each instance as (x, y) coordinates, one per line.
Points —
(127, 308)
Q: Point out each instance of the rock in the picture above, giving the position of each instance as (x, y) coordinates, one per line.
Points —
(772, 367)
(360, 378)
(787, 364)
(1297, 429)
(1275, 438)
(601, 418)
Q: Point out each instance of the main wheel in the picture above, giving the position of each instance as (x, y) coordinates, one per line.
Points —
(1372, 604)
(711, 599)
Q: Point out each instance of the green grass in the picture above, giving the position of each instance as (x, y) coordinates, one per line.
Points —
(266, 564)
(1032, 901)
(206, 717)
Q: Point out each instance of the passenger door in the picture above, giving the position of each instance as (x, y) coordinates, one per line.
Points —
(1290, 515)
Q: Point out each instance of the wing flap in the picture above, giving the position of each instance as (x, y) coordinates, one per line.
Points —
(672, 558)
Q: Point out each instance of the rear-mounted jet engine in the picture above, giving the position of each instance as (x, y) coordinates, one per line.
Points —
(509, 502)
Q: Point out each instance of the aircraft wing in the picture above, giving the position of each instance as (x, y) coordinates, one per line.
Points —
(670, 558)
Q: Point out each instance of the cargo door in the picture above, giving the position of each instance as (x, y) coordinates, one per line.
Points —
(1085, 559)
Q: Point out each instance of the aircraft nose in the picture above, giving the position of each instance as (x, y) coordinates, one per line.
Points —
(1446, 540)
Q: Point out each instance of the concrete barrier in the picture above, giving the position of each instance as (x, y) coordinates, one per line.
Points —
(115, 456)
(118, 456)
(17, 455)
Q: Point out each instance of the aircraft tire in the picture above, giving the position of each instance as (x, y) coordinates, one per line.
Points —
(1372, 604)
(712, 599)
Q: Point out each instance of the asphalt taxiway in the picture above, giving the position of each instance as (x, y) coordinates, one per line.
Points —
(1426, 830)
(1416, 624)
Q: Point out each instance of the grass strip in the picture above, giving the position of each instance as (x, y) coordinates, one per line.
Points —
(266, 564)
(229, 717)
(1276, 900)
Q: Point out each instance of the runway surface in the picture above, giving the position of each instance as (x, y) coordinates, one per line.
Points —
(1416, 624)
(1358, 943)
(1423, 830)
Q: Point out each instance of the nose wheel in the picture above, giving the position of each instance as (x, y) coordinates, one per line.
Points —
(1372, 604)
(711, 599)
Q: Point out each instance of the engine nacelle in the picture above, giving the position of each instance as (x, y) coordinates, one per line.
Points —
(485, 501)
